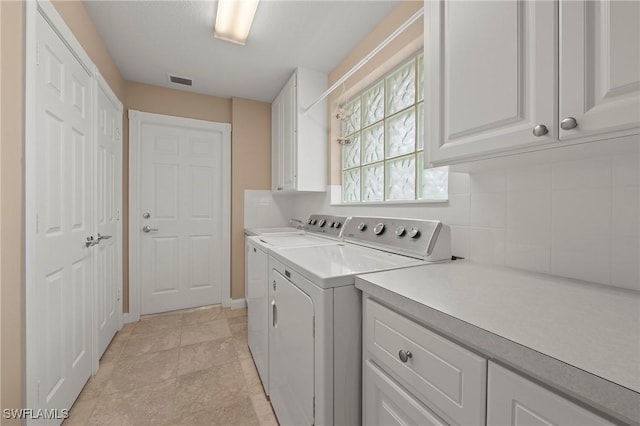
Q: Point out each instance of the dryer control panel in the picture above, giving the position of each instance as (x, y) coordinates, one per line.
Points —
(423, 239)
(325, 224)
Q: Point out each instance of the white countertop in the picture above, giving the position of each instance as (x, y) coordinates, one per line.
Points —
(592, 327)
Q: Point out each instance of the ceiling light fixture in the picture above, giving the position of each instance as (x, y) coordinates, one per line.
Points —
(234, 19)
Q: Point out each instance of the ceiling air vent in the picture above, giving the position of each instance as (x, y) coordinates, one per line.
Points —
(181, 80)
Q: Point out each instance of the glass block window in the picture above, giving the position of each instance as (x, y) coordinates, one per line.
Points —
(383, 160)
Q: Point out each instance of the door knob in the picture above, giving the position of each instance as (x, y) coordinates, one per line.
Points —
(146, 215)
(90, 242)
(147, 228)
(540, 130)
(568, 123)
(103, 237)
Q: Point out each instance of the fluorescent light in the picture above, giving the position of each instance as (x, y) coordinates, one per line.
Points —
(234, 19)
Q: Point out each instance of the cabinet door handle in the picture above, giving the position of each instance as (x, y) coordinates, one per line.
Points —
(404, 355)
(568, 123)
(274, 285)
(540, 130)
(254, 250)
(274, 316)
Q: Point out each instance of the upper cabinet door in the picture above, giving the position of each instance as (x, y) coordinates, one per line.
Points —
(277, 116)
(599, 67)
(289, 136)
(490, 73)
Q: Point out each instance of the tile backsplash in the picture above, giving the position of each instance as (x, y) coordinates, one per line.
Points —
(577, 219)
(262, 208)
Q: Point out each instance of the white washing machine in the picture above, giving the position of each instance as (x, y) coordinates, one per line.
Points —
(315, 316)
(318, 230)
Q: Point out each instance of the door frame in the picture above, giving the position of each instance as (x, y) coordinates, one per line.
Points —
(33, 314)
(136, 119)
(100, 84)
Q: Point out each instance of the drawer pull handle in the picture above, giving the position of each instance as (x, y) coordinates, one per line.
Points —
(404, 355)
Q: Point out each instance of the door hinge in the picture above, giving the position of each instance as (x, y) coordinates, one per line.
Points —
(117, 295)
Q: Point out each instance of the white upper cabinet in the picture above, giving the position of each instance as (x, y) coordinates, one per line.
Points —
(599, 67)
(299, 139)
(500, 77)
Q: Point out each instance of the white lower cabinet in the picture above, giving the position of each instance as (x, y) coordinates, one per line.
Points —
(514, 400)
(387, 403)
(446, 378)
(412, 376)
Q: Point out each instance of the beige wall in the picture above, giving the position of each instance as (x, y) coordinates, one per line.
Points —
(160, 100)
(78, 20)
(11, 204)
(410, 41)
(250, 169)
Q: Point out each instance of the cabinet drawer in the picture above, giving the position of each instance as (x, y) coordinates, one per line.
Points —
(514, 400)
(443, 375)
(386, 403)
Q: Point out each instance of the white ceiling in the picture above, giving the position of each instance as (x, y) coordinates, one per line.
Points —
(151, 39)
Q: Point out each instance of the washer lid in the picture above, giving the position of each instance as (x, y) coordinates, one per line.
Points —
(292, 240)
(338, 264)
(272, 230)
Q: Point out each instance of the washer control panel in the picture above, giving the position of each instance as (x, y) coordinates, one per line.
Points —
(325, 224)
(413, 237)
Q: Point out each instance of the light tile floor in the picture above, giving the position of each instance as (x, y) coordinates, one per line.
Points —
(181, 368)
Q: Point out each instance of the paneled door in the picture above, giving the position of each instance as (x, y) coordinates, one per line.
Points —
(489, 76)
(599, 67)
(181, 209)
(59, 325)
(108, 183)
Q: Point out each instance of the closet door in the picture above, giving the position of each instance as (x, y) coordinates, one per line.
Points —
(59, 324)
(108, 195)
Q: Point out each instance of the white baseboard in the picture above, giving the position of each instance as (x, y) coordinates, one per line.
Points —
(237, 303)
(127, 318)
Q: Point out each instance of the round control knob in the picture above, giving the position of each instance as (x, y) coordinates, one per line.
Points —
(337, 225)
(321, 223)
(314, 221)
(310, 221)
(331, 224)
(414, 233)
(362, 226)
(400, 231)
(379, 229)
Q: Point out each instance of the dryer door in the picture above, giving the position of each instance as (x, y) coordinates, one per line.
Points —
(291, 360)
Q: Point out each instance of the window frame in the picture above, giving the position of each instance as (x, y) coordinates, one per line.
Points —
(384, 162)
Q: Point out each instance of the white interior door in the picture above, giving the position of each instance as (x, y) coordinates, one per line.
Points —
(59, 319)
(181, 210)
(108, 195)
